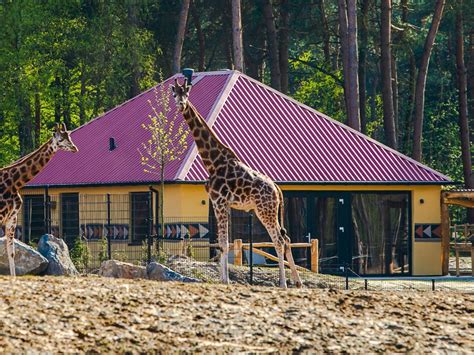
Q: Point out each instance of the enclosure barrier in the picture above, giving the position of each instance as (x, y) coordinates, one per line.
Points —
(238, 246)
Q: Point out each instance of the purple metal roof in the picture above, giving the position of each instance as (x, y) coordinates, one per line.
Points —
(291, 142)
(271, 132)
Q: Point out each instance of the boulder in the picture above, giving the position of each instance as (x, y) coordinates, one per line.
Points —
(27, 259)
(159, 272)
(119, 269)
(56, 251)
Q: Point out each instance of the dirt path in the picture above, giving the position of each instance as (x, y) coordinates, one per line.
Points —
(96, 314)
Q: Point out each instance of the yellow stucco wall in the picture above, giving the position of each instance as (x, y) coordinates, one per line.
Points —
(190, 200)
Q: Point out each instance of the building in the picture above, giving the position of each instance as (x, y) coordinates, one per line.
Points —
(369, 205)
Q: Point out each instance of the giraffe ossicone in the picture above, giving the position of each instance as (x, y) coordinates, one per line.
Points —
(17, 175)
(233, 184)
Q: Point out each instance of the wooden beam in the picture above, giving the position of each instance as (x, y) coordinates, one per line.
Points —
(314, 256)
(271, 245)
(458, 194)
(444, 238)
(272, 257)
(459, 202)
(238, 252)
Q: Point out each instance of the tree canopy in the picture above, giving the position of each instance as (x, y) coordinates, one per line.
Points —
(70, 61)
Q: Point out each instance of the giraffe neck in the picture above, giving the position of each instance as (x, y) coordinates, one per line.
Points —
(212, 151)
(27, 168)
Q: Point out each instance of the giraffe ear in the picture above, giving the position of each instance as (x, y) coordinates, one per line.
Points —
(63, 128)
(56, 127)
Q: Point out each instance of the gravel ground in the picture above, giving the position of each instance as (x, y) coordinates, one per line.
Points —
(93, 314)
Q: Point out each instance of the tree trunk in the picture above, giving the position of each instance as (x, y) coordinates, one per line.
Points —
(237, 36)
(386, 69)
(82, 94)
(395, 95)
(326, 33)
(284, 40)
(348, 34)
(272, 44)
(201, 39)
(410, 104)
(463, 113)
(134, 65)
(470, 79)
(66, 104)
(37, 118)
(57, 99)
(342, 13)
(421, 80)
(178, 46)
(353, 102)
(364, 40)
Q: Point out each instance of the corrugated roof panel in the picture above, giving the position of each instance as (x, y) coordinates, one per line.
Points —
(292, 143)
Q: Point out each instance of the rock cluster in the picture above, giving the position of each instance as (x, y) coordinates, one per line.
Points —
(27, 259)
(51, 258)
(154, 271)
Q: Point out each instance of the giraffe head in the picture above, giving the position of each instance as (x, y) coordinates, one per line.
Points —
(62, 139)
(181, 94)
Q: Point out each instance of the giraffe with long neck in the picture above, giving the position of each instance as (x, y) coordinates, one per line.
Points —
(17, 175)
(233, 184)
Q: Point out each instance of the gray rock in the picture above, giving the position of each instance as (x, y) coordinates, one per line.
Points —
(56, 251)
(119, 269)
(27, 260)
(159, 272)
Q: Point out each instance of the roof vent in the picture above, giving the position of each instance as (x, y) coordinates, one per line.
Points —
(112, 144)
(188, 74)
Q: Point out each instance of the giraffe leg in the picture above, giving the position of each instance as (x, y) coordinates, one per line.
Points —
(222, 215)
(10, 243)
(279, 247)
(289, 257)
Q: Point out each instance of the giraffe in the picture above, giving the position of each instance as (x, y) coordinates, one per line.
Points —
(233, 184)
(17, 175)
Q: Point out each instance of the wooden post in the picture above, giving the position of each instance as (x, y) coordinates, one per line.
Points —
(472, 258)
(445, 238)
(238, 252)
(314, 256)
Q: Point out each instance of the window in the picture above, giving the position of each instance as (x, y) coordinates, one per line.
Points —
(70, 217)
(33, 217)
(139, 216)
(380, 233)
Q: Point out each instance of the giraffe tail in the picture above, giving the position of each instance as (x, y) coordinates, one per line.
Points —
(283, 232)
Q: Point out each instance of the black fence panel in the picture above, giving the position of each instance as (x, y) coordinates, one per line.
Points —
(126, 227)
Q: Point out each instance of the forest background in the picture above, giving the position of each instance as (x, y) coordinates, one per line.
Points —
(400, 71)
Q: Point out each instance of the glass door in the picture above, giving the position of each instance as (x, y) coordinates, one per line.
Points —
(324, 216)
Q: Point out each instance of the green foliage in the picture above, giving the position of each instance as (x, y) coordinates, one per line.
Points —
(103, 254)
(319, 90)
(167, 142)
(80, 254)
(73, 60)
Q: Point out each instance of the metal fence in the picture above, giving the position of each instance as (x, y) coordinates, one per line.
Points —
(125, 227)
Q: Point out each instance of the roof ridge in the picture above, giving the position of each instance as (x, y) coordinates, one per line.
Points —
(344, 126)
(213, 113)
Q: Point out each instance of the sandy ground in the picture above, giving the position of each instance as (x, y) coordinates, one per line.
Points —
(92, 314)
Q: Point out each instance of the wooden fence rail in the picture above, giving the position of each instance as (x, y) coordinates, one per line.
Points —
(238, 246)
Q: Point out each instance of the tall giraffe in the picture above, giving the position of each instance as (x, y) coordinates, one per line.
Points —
(17, 175)
(233, 184)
